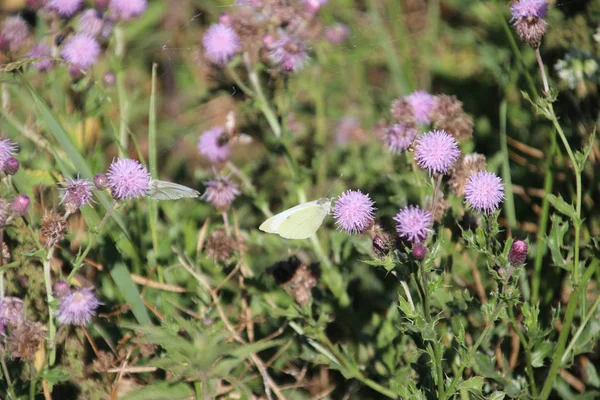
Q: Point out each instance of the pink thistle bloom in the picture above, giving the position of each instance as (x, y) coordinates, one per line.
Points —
(209, 146)
(43, 52)
(347, 130)
(484, 191)
(399, 137)
(14, 33)
(518, 253)
(77, 307)
(414, 224)
(422, 104)
(220, 192)
(436, 151)
(128, 9)
(313, 6)
(354, 211)
(221, 43)
(81, 50)
(91, 23)
(66, 8)
(76, 193)
(337, 33)
(127, 179)
(7, 149)
(288, 52)
(529, 8)
(20, 204)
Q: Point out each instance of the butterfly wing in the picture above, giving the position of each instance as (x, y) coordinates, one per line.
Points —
(272, 224)
(161, 190)
(303, 223)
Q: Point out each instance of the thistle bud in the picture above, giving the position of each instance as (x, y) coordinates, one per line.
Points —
(101, 181)
(11, 166)
(518, 253)
(419, 251)
(61, 288)
(20, 204)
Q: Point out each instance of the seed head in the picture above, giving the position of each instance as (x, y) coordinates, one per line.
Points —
(354, 212)
(402, 110)
(465, 167)
(75, 194)
(448, 115)
(53, 229)
(219, 246)
(26, 339)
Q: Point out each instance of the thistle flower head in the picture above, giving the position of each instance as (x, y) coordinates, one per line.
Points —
(399, 137)
(44, 53)
(7, 149)
(528, 19)
(76, 193)
(518, 253)
(419, 251)
(337, 33)
(14, 33)
(221, 43)
(448, 115)
(436, 151)
(220, 246)
(354, 211)
(100, 181)
(348, 130)
(422, 105)
(66, 8)
(77, 307)
(127, 9)
(220, 192)
(61, 288)
(529, 8)
(90, 23)
(127, 179)
(465, 167)
(402, 110)
(484, 191)
(211, 148)
(11, 166)
(288, 52)
(413, 223)
(20, 204)
(81, 50)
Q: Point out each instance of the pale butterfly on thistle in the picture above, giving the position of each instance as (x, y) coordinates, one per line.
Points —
(299, 222)
(162, 190)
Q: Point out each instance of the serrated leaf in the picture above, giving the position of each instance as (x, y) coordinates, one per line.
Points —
(55, 375)
(592, 375)
(540, 352)
(474, 384)
(582, 157)
(555, 240)
(562, 206)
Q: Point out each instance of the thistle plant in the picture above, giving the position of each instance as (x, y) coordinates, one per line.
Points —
(438, 160)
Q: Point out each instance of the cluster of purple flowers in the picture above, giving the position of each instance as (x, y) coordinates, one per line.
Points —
(82, 49)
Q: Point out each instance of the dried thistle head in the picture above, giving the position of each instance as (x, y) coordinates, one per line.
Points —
(465, 167)
(402, 110)
(296, 278)
(219, 246)
(25, 340)
(54, 227)
(4, 211)
(448, 115)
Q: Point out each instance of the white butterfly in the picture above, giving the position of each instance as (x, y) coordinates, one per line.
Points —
(161, 190)
(299, 222)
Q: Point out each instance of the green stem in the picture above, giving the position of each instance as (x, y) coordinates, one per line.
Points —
(543, 223)
(9, 382)
(122, 92)
(565, 330)
(587, 318)
(509, 200)
(263, 103)
(198, 390)
(238, 81)
(529, 368)
(51, 310)
(465, 363)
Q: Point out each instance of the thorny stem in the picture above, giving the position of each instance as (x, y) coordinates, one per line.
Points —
(525, 343)
(465, 363)
(92, 241)
(538, 58)
(263, 104)
(49, 300)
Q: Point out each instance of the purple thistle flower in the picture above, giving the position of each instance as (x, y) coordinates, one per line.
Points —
(76, 194)
(484, 191)
(11, 166)
(313, 6)
(354, 211)
(221, 43)
(81, 50)
(7, 149)
(43, 52)
(529, 8)
(77, 307)
(399, 137)
(436, 151)
(337, 33)
(128, 9)
(288, 52)
(100, 181)
(127, 179)
(14, 33)
(210, 147)
(518, 253)
(20, 204)
(414, 224)
(422, 104)
(91, 23)
(220, 192)
(66, 8)
(347, 130)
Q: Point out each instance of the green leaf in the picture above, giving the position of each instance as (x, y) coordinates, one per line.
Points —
(562, 206)
(592, 375)
(582, 157)
(161, 391)
(554, 241)
(474, 384)
(55, 375)
(540, 352)
(130, 292)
